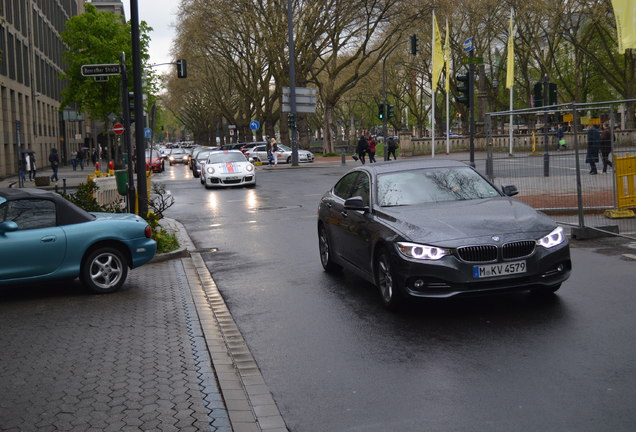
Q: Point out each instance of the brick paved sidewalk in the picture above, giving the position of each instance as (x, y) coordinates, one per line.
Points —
(162, 354)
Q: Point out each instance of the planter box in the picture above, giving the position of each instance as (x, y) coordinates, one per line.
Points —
(42, 181)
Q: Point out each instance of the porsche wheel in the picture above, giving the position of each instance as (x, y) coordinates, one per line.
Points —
(104, 270)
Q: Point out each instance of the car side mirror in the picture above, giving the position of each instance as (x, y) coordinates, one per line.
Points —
(8, 226)
(355, 203)
(509, 190)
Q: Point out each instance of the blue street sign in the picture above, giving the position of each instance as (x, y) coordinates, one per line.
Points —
(147, 132)
(255, 125)
(468, 44)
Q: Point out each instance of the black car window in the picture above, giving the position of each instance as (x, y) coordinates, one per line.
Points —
(342, 189)
(29, 213)
(361, 188)
(432, 185)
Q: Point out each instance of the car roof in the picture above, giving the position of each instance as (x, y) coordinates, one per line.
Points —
(67, 212)
(403, 165)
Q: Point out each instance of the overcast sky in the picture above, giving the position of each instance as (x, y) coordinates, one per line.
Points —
(160, 15)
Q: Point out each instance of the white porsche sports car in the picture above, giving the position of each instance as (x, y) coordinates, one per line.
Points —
(227, 168)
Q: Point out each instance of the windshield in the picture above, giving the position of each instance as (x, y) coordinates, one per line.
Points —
(226, 157)
(202, 155)
(432, 185)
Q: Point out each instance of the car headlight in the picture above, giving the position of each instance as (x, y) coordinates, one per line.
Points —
(209, 170)
(171, 158)
(421, 252)
(555, 238)
(250, 167)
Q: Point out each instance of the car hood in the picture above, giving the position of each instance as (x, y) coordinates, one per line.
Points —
(459, 220)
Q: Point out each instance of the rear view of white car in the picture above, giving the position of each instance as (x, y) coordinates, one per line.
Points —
(225, 168)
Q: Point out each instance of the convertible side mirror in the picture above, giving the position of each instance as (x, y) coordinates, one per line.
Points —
(8, 226)
(509, 190)
(355, 203)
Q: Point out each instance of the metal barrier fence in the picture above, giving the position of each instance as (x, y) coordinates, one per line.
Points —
(560, 183)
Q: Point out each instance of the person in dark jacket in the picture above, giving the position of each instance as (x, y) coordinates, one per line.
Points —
(606, 146)
(392, 147)
(593, 147)
(362, 148)
(54, 159)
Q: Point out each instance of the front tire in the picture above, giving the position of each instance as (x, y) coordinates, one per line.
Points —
(386, 281)
(326, 258)
(104, 270)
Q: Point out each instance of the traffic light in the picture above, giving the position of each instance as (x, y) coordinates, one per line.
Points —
(131, 107)
(538, 94)
(463, 87)
(414, 42)
(552, 94)
(381, 111)
(390, 113)
(182, 68)
(291, 120)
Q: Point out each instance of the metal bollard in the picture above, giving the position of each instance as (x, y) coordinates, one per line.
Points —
(64, 186)
(343, 159)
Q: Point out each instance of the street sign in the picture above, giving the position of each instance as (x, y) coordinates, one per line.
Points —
(468, 45)
(100, 69)
(255, 125)
(100, 78)
(118, 128)
(306, 99)
(147, 132)
(472, 60)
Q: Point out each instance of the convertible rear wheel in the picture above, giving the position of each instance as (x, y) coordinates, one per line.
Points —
(386, 282)
(325, 252)
(104, 270)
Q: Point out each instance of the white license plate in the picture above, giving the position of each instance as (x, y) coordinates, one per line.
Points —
(232, 178)
(495, 270)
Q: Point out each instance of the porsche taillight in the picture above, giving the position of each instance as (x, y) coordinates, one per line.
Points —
(148, 231)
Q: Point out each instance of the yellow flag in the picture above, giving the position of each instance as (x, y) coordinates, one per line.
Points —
(447, 59)
(510, 67)
(625, 13)
(438, 55)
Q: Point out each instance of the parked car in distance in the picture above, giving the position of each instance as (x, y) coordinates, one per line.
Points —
(231, 146)
(284, 154)
(436, 228)
(45, 237)
(178, 155)
(225, 168)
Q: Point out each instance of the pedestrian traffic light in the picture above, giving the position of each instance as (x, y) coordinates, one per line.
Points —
(381, 111)
(390, 113)
(291, 120)
(131, 107)
(538, 94)
(463, 87)
(182, 68)
(414, 42)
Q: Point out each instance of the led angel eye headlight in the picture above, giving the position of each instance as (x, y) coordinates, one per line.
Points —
(209, 170)
(555, 238)
(421, 252)
(250, 167)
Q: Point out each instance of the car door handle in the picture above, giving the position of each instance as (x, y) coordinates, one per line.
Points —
(344, 214)
(48, 239)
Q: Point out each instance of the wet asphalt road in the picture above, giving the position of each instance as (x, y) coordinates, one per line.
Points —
(335, 360)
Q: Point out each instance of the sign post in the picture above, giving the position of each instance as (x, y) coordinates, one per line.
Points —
(118, 128)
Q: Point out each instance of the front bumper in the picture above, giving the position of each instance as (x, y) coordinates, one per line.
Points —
(450, 276)
(228, 181)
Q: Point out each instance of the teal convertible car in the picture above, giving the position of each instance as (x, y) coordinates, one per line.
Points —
(44, 237)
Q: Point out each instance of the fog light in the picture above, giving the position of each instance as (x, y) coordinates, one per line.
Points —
(418, 283)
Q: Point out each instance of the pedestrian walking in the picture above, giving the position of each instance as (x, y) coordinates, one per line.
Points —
(270, 156)
(274, 144)
(55, 162)
(560, 135)
(392, 147)
(81, 157)
(606, 146)
(74, 160)
(29, 166)
(22, 167)
(593, 147)
(372, 145)
(362, 148)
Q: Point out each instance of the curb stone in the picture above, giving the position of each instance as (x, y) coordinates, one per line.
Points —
(249, 402)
